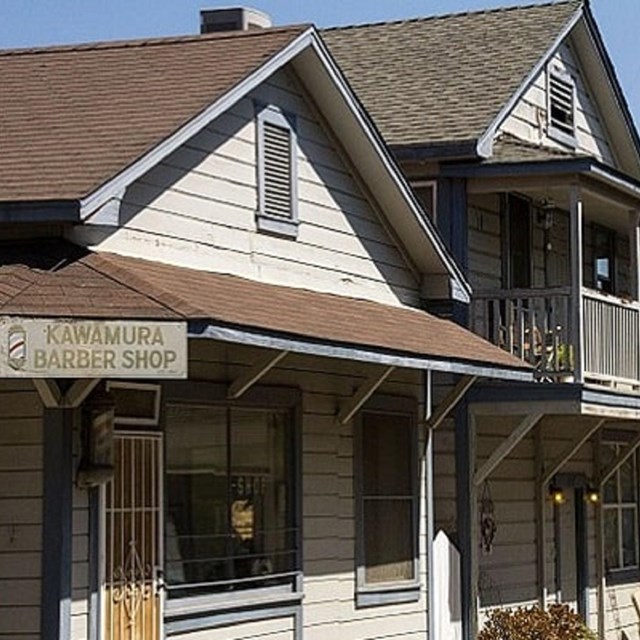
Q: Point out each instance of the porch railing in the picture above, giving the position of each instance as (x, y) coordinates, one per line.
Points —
(536, 325)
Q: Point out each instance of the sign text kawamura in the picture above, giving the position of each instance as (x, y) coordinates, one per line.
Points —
(43, 348)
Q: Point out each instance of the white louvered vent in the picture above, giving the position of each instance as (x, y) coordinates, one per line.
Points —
(277, 171)
(561, 104)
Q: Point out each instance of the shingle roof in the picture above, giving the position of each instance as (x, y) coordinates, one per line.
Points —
(445, 78)
(63, 281)
(72, 117)
(509, 149)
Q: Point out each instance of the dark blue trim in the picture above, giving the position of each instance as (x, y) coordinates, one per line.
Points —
(94, 564)
(531, 168)
(483, 393)
(465, 463)
(57, 514)
(46, 211)
(582, 553)
(463, 149)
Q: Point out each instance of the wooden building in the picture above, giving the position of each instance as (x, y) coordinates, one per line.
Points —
(217, 373)
(514, 131)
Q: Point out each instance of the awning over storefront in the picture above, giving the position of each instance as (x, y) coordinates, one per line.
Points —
(61, 281)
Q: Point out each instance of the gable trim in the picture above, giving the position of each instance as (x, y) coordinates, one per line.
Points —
(92, 202)
(485, 143)
(612, 77)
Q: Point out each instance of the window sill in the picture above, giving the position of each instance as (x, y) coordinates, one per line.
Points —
(562, 137)
(277, 226)
(215, 610)
(622, 576)
(387, 596)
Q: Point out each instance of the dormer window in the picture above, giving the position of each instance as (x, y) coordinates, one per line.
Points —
(562, 107)
(277, 172)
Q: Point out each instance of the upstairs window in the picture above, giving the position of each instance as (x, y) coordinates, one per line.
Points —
(277, 172)
(562, 104)
(604, 246)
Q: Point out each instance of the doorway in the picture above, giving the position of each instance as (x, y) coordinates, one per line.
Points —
(132, 539)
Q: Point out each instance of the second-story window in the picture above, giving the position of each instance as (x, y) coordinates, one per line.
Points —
(604, 243)
(518, 242)
(277, 171)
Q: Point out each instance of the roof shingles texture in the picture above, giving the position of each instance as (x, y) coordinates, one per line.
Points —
(445, 79)
(108, 286)
(73, 117)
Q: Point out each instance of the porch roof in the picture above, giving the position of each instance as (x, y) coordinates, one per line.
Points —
(60, 280)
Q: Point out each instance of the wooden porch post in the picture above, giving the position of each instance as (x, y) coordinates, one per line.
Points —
(57, 524)
(576, 248)
(634, 249)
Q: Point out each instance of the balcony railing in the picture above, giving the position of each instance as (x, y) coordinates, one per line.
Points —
(539, 326)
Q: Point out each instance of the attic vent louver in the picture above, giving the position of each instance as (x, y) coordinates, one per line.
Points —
(277, 171)
(561, 107)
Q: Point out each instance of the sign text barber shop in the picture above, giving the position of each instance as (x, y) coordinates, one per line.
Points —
(42, 348)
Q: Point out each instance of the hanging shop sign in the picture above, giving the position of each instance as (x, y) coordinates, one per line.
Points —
(54, 348)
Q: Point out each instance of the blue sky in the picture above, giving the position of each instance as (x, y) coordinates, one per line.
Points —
(40, 22)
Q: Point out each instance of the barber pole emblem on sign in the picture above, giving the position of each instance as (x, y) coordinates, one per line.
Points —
(17, 347)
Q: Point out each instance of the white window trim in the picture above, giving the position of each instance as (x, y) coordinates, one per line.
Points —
(277, 225)
(369, 595)
(433, 185)
(149, 388)
(553, 132)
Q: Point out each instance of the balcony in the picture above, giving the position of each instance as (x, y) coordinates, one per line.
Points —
(567, 337)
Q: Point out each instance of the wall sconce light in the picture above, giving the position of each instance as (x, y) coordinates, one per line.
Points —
(592, 495)
(557, 495)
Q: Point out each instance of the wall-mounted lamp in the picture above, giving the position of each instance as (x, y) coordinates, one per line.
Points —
(592, 495)
(557, 495)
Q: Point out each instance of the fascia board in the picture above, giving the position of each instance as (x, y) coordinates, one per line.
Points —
(485, 143)
(96, 199)
(384, 154)
(360, 353)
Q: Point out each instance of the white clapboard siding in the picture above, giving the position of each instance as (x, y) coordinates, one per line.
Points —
(21, 450)
(278, 629)
(528, 119)
(198, 208)
(328, 495)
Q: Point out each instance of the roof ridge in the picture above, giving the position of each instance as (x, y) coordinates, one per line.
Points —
(102, 45)
(443, 16)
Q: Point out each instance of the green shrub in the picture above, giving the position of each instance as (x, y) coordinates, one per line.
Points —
(559, 622)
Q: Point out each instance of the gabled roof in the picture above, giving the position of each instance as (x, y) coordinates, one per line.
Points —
(60, 280)
(80, 124)
(445, 79)
(72, 117)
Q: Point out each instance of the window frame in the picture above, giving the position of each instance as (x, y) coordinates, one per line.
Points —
(621, 573)
(598, 231)
(378, 594)
(218, 604)
(266, 222)
(553, 131)
(428, 184)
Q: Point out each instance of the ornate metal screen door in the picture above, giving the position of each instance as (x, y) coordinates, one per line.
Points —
(133, 540)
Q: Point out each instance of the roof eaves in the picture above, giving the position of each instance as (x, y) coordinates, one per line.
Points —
(363, 353)
(52, 211)
(485, 142)
(454, 150)
(115, 185)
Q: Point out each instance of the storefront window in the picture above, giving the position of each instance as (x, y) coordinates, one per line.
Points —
(230, 506)
(620, 512)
